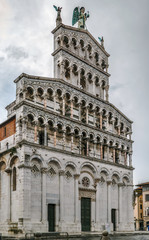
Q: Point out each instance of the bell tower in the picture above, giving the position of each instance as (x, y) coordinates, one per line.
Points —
(80, 60)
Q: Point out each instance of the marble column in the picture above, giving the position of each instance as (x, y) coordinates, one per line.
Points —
(24, 128)
(125, 158)
(101, 151)
(94, 118)
(120, 206)
(100, 121)
(62, 69)
(119, 132)
(86, 115)
(79, 111)
(130, 159)
(76, 198)
(45, 100)
(72, 141)
(94, 85)
(54, 99)
(80, 143)
(94, 147)
(8, 171)
(64, 139)
(107, 92)
(109, 200)
(61, 194)
(63, 107)
(87, 146)
(97, 214)
(113, 154)
(55, 137)
(43, 198)
(78, 78)
(71, 109)
(45, 135)
(35, 132)
(107, 153)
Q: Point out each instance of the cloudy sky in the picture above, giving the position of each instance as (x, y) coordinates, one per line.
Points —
(26, 44)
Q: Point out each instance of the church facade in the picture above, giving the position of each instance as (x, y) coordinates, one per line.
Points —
(65, 150)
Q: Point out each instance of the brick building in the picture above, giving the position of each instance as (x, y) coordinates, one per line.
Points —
(141, 206)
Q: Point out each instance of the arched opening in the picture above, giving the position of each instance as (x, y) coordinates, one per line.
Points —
(84, 144)
(67, 69)
(75, 69)
(89, 49)
(96, 58)
(116, 153)
(40, 94)
(41, 131)
(89, 77)
(30, 93)
(82, 45)
(74, 43)
(66, 41)
(50, 94)
(103, 64)
(82, 79)
(67, 105)
(50, 132)
(83, 111)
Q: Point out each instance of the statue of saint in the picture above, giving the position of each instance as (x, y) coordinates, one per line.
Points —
(80, 16)
(58, 19)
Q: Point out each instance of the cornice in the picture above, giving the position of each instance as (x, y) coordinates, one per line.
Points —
(81, 31)
(81, 59)
(24, 102)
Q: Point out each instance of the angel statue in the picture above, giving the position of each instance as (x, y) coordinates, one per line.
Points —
(80, 16)
(58, 19)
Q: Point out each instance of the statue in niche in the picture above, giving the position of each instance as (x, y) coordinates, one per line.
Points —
(80, 16)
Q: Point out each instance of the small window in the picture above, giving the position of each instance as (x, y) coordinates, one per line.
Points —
(14, 179)
(140, 206)
(4, 131)
(147, 197)
(41, 137)
(147, 211)
(140, 215)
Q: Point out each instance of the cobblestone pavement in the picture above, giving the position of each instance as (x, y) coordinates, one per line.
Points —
(139, 237)
(144, 237)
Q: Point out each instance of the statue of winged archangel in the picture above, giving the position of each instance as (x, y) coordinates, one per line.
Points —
(80, 16)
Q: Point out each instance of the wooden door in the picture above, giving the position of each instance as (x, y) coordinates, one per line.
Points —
(51, 217)
(86, 214)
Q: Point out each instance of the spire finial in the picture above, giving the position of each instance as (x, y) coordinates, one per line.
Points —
(58, 19)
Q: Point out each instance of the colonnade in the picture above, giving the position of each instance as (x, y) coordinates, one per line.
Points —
(79, 142)
(86, 112)
(84, 50)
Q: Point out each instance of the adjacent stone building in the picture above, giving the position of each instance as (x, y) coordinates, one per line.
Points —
(141, 206)
(65, 150)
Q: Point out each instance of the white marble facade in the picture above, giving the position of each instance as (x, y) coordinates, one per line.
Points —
(70, 144)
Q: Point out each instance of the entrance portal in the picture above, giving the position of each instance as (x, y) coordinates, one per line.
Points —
(51, 217)
(113, 216)
(86, 214)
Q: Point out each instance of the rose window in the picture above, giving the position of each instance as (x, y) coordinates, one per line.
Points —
(85, 182)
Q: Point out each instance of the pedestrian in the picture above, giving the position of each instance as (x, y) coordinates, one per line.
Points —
(105, 236)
